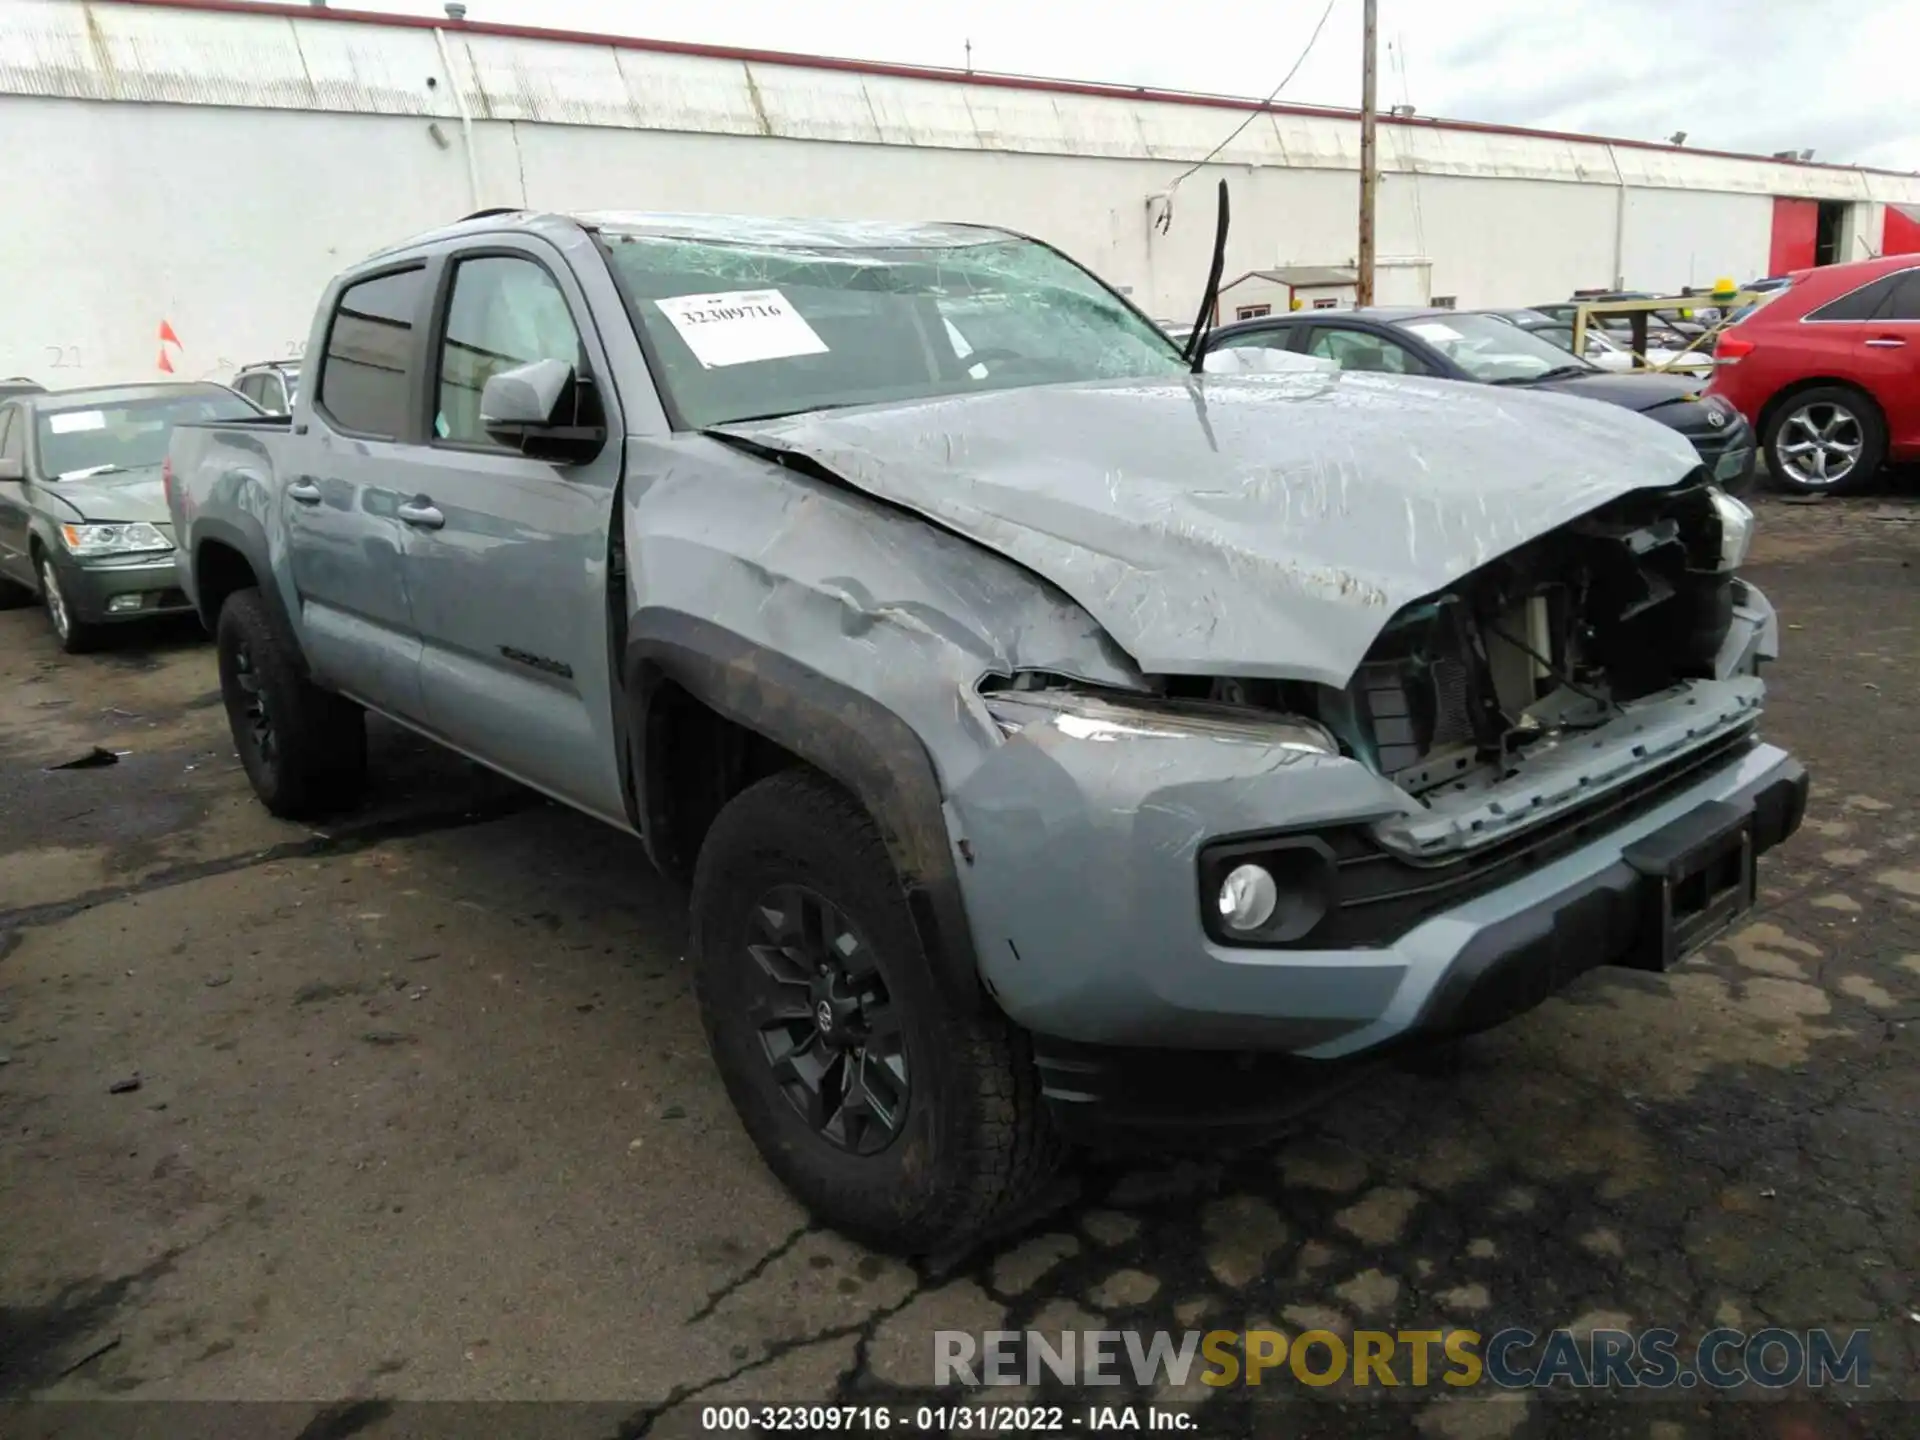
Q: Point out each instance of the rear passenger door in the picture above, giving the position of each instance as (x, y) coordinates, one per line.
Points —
(507, 557)
(344, 536)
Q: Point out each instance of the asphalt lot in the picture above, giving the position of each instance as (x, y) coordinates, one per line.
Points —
(424, 1112)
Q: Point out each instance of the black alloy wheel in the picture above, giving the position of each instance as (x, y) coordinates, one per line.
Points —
(827, 1021)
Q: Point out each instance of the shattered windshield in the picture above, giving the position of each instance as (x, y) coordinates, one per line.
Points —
(743, 331)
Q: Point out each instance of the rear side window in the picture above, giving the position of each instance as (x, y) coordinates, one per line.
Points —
(366, 373)
(1904, 303)
(1861, 304)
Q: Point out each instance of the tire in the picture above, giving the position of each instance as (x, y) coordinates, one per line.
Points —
(305, 750)
(970, 1144)
(76, 636)
(1838, 423)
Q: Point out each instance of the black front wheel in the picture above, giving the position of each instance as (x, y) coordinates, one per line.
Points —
(305, 750)
(890, 1115)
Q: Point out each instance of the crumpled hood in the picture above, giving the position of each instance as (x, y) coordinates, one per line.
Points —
(130, 495)
(1243, 525)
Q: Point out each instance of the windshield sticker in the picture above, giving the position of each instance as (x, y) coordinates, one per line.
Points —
(66, 422)
(1433, 330)
(735, 327)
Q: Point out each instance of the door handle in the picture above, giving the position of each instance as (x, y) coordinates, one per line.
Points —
(1886, 342)
(421, 512)
(305, 491)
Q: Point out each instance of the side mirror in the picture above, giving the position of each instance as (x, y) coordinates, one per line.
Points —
(11, 468)
(539, 410)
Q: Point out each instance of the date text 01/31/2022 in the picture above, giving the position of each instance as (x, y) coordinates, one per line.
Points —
(928, 1419)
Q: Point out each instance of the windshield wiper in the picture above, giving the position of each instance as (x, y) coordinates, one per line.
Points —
(1557, 372)
(1196, 351)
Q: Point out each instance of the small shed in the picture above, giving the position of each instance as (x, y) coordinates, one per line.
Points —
(1273, 292)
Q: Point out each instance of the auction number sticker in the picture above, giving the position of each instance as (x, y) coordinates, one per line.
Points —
(734, 327)
(67, 422)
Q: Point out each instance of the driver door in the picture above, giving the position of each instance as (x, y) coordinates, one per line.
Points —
(507, 556)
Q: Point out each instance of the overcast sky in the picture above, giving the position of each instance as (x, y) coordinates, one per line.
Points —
(1733, 74)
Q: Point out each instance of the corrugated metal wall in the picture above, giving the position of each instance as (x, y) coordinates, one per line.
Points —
(213, 169)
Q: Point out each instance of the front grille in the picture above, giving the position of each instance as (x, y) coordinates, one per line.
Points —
(1712, 444)
(1381, 895)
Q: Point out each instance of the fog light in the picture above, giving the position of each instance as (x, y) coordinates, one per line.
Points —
(1248, 897)
(120, 604)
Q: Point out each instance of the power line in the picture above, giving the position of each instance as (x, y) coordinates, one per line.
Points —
(1252, 114)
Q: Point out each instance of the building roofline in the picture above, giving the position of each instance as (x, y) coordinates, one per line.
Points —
(902, 71)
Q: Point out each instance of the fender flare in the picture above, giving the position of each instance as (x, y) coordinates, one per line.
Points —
(849, 737)
(245, 538)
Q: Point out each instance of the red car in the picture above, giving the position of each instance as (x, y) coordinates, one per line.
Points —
(1828, 372)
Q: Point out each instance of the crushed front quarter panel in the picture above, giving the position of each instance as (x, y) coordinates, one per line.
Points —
(1244, 525)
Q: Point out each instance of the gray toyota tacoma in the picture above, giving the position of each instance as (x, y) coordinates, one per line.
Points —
(1027, 713)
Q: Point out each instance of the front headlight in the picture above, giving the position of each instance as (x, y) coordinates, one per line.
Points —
(93, 541)
(1083, 716)
(1736, 529)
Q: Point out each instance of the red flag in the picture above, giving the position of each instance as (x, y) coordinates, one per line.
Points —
(167, 337)
(165, 363)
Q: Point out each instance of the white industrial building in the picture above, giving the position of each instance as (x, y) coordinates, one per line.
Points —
(185, 175)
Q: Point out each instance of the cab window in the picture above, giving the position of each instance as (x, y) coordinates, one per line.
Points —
(504, 312)
(365, 374)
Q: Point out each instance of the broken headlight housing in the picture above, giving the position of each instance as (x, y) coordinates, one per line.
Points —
(1736, 528)
(1084, 715)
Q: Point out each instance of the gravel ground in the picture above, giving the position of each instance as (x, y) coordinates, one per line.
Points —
(418, 1107)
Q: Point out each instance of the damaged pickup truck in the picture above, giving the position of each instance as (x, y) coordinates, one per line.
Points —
(1022, 707)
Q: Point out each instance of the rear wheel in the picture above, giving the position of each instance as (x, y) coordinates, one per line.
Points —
(890, 1116)
(305, 750)
(1829, 440)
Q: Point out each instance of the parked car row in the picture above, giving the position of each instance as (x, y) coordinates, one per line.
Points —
(1043, 715)
(1491, 348)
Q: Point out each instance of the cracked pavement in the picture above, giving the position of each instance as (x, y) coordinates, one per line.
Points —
(424, 1110)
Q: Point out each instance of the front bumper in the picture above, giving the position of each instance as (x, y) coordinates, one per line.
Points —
(105, 592)
(1462, 971)
(1087, 925)
(1730, 453)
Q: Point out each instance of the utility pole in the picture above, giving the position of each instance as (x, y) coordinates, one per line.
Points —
(1369, 169)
